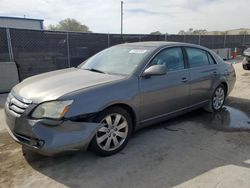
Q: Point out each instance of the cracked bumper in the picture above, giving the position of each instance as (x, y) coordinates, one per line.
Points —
(50, 139)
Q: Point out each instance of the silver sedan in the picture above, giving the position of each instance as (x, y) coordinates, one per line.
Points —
(100, 103)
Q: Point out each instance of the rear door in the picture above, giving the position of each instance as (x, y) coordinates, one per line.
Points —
(161, 95)
(203, 74)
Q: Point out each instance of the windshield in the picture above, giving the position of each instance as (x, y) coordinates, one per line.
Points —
(116, 60)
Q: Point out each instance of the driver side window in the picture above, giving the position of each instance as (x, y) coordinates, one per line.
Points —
(172, 58)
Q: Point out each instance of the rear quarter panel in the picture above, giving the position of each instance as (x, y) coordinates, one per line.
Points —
(227, 73)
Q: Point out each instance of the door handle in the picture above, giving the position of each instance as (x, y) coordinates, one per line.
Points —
(215, 73)
(184, 80)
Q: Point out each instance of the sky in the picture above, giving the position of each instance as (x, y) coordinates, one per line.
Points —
(140, 16)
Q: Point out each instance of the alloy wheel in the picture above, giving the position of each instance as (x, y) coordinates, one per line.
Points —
(218, 99)
(114, 132)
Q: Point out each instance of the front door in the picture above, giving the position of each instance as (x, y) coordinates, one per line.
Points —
(162, 95)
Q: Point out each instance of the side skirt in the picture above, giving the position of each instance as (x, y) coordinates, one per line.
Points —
(164, 117)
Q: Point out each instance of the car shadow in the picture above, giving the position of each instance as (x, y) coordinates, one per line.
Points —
(169, 153)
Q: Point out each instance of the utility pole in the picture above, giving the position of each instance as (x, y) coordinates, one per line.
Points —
(121, 18)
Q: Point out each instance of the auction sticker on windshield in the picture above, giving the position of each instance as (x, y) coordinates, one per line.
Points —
(137, 51)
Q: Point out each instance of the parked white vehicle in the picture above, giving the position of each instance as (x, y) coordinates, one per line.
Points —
(246, 61)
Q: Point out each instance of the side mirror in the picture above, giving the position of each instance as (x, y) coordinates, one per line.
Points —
(154, 70)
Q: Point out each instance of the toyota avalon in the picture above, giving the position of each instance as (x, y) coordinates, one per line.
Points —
(100, 103)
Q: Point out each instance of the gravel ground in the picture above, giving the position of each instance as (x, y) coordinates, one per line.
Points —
(195, 150)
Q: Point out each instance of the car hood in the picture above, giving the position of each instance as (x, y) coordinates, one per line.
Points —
(51, 85)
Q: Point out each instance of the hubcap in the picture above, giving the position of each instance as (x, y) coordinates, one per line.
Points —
(218, 99)
(114, 132)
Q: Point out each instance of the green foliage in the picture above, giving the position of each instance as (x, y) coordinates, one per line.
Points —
(191, 31)
(69, 24)
(156, 33)
(181, 32)
(243, 32)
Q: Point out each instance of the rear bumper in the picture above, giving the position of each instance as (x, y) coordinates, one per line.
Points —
(50, 139)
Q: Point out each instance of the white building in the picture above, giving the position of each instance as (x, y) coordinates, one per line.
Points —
(21, 23)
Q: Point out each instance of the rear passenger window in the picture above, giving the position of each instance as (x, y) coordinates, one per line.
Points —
(172, 58)
(197, 57)
(211, 59)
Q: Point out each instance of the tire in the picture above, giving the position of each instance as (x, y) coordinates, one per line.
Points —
(246, 66)
(217, 100)
(114, 135)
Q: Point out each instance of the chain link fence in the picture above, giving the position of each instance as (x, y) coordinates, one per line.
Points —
(36, 51)
(4, 51)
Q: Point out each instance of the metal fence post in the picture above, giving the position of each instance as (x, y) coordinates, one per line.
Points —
(69, 64)
(244, 38)
(108, 40)
(166, 36)
(225, 38)
(9, 44)
(199, 39)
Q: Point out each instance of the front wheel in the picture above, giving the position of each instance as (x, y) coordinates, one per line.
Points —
(217, 100)
(113, 136)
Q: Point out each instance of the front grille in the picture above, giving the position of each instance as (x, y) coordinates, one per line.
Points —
(17, 105)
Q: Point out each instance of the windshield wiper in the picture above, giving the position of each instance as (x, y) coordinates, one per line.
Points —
(95, 70)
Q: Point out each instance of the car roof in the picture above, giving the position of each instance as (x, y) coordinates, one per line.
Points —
(159, 44)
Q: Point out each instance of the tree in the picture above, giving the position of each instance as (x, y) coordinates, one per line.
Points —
(192, 31)
(155, 33)
(200, 31)
(181, 32)
(245, 32)
(69, 24)
(223, 32)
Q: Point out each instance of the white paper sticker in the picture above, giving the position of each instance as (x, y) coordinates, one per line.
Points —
(137, 51)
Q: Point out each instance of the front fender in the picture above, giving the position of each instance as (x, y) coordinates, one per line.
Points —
(95, 99)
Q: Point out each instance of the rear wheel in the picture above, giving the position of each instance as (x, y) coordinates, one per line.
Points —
(217, 100)
(113, 136)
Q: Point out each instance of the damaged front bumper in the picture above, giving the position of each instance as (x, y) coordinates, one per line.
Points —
(48, 139)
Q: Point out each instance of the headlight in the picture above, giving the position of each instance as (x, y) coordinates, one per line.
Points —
(52, 109)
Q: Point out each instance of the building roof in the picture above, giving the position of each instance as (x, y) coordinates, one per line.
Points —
(20, 18)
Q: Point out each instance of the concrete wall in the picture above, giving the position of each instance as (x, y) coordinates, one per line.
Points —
(8, 76)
